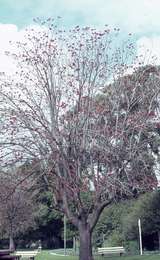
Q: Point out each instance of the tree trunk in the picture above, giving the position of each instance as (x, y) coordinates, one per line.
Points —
(11, 243)
(159, 240)
(85, 251)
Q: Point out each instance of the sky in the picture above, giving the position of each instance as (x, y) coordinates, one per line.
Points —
(139, 17)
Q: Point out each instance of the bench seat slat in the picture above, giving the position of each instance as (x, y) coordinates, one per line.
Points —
(27, 254)
(120, 247)
(112, 250)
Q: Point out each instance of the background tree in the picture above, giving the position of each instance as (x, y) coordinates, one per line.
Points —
(148, 210)
(49, 223)
(118, 224)
(109, 229)
(17, 208)
(88, 137)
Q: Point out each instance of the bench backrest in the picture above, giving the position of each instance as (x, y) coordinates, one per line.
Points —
(119, 249)
(27, 253)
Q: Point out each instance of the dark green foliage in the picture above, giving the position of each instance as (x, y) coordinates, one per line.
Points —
(49, 222)
(109, 228)
(147, 208)
(118, 224)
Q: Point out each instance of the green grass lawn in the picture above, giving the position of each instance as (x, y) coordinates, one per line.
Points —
(45, 255)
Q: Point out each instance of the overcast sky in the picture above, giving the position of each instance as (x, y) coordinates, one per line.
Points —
(140, 17)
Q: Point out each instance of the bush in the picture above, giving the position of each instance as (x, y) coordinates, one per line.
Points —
(114, 239)
(132, 247)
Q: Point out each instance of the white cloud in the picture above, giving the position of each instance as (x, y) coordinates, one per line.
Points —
(8, 32)
(9, 36)
(148, 50)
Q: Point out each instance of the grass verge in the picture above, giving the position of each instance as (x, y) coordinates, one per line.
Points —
(46, 255)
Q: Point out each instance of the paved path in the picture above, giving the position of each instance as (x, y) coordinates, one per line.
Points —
(57, 254)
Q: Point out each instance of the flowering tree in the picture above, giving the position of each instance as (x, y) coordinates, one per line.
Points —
(17, 206)
(87, 135)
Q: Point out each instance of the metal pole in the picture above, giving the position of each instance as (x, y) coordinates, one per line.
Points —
(64, 222)
(140, 236)
(74, 245)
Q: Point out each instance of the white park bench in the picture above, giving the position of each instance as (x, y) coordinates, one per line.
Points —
(111, 250)
(27, 254)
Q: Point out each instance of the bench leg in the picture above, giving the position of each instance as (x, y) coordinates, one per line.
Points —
(18, 257)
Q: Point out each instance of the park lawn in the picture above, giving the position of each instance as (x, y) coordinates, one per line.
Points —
(45, 255)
